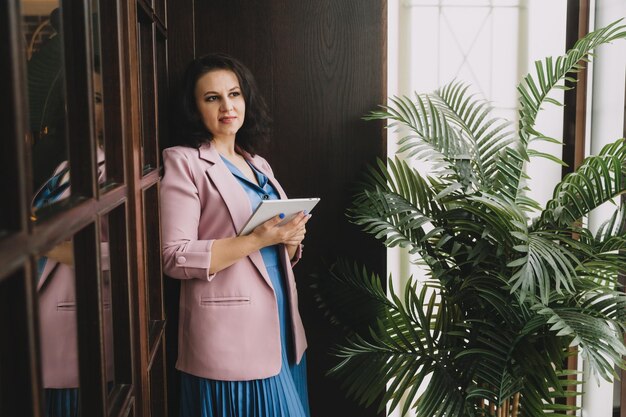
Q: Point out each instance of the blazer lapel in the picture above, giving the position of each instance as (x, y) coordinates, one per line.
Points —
(254, 161)
(234, 197)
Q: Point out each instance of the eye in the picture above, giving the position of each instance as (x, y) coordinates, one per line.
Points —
(235, 94)
(210, 98)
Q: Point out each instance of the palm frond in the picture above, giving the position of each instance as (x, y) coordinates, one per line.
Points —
(534, 93)
(350, 296)
(487, 135)
(591, 334)
(401, 350)
(431, 137)
(599, 179)
(549, 73)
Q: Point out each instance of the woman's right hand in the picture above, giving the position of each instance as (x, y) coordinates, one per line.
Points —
(227, 251)
(270, 233)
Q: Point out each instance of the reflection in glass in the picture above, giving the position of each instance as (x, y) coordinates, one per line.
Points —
(107, 306)
(97, 85)
(46, 97)
(50, 168)
(58, 331)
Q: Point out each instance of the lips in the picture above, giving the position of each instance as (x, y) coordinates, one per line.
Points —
(228, 119)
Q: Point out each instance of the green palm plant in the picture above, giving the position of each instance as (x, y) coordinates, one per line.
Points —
(511, 285)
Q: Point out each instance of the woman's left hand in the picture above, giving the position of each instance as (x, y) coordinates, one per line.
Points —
(294, 241)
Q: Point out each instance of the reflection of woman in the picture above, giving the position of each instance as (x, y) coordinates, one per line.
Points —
(241, 340)
(57, 295)
(57, 310)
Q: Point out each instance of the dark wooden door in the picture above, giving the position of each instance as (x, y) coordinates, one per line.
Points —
(82, 82)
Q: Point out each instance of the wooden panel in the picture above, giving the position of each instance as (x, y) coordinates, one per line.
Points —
(575, 110)
(180, 51)
(120, 295)
(574, 119)
(89, 322)
(13, 185)
(112, 90)
(79, 96)
(158, 397)
(321, 65)
(19, 380)
(162, 92)
(154, 282)
(147, 77)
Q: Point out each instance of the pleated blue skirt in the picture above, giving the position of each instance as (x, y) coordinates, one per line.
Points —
(61, 402)
(283, 395)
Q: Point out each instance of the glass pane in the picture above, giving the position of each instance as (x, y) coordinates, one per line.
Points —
(148, 105)
(42, 27)
(58, 336)
(107, 304)
(154, 282)
(98, 116)
(161, 67)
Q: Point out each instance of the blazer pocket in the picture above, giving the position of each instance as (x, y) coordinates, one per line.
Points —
(66, 306)
(224, 301)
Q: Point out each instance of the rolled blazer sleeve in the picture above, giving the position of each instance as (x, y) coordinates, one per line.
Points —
(184, 255)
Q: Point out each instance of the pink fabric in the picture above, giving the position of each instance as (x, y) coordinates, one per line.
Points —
(57, 316)
(229, 326)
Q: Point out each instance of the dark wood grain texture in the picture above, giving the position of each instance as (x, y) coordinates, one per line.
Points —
(574, 119)
(575, 110)
(113, 90)
(20, 394)
(13, 184)
(180, 51)
(77, 43)
(93, 395)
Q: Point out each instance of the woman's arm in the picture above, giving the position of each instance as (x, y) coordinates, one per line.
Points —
(184, 255)
(228, 251)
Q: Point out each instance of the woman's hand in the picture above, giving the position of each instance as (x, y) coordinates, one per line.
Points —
(290, 233)
(227, 251)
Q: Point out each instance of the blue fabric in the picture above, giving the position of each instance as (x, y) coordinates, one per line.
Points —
(49, 193)
(256, 194)
(283, 395)
(61, 402)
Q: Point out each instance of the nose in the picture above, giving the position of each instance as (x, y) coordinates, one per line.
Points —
(227, 104)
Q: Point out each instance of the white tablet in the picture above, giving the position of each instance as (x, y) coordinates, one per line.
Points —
(270, 208)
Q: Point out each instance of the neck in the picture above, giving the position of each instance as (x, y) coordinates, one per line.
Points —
(225, 146)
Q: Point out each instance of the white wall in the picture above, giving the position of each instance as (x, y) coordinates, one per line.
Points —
(605, 124)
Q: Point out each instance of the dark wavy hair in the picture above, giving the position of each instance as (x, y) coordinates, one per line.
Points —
(256, 126)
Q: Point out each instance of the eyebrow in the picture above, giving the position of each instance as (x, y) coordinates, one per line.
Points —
(217, 94)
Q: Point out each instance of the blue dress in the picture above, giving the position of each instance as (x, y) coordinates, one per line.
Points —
(283, 395)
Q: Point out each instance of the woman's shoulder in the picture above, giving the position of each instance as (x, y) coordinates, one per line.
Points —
(180, 150)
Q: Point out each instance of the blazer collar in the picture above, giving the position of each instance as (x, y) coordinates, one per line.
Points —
(233, 195)
(209, 153)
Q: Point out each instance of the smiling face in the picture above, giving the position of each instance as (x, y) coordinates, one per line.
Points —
(220, 103)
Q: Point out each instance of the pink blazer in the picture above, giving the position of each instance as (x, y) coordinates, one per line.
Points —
(57, 315)
(229, 326)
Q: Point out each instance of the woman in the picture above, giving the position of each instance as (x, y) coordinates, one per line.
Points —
(241, 342)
